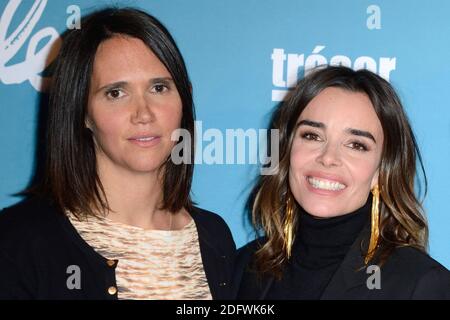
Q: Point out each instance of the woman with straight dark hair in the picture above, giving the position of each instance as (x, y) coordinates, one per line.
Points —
(339, 217)
(113, 218)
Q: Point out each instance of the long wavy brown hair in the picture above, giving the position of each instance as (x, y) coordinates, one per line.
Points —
(402, 222)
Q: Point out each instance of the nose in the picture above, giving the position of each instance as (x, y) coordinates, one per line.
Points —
(329, 155)
(143, 112)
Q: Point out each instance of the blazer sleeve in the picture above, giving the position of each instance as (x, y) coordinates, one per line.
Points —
(13, 283)
(433, 285)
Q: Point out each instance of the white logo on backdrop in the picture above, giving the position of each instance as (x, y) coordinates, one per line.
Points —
(286, 68)
(36, 61)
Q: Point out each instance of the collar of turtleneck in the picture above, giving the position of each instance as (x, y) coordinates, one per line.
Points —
(322, 242)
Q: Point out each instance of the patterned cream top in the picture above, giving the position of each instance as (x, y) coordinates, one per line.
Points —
(153, 264)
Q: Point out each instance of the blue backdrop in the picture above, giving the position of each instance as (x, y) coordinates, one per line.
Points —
(242, 56)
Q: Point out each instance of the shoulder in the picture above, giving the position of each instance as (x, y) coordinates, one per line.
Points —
(210, 220)
(26, 221)
(427, 277)
(245, 255)
(248, 283)
(29, 210)
(247, 251)
(213, 228)
(29, 231)
(414, 260)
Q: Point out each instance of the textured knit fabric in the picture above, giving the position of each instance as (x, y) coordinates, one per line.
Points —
(152, 264)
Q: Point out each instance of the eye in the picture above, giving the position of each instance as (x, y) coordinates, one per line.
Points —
(358, 146)
(115, 93)
(160, 88)
(310, 136)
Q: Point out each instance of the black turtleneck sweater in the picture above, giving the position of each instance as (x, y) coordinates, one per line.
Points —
(319, 248)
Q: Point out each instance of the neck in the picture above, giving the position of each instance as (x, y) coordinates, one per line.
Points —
(323, 241)
(134, 198)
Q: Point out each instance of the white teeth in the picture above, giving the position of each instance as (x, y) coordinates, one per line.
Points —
(145, 139)
(325, 184)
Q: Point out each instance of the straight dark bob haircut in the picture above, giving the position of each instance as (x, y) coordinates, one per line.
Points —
(70, 175)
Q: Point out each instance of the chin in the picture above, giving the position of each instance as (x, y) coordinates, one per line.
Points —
(146, 166)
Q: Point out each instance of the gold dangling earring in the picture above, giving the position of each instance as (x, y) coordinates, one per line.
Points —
(288, 226)
(375, 220)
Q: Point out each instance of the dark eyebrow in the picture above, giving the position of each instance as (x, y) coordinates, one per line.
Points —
(162, 79)
(361, 133)
(355, 132)
(310, 123)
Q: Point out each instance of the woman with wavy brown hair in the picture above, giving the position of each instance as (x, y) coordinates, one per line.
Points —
(339, 216)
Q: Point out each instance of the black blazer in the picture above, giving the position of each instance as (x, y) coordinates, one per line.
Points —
(38, 243)
(407, 274)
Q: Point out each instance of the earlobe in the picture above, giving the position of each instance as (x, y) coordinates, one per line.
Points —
(87, 124)
(374, 179)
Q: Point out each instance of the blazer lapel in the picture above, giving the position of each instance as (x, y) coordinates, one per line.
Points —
(352, 271)
(267, 283)
(255, 286)
(210, 257)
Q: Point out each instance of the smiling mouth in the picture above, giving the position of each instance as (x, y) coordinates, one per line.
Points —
(144, 139)
(323, 184)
